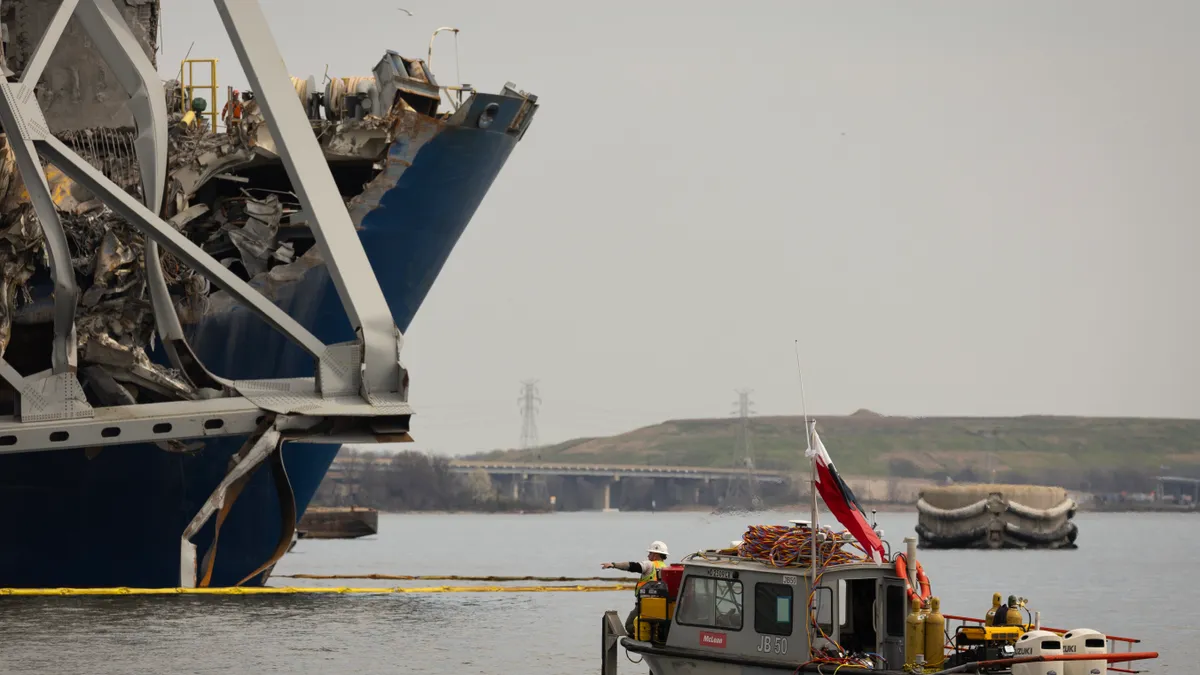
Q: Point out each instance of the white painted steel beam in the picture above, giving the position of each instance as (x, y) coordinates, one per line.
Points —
(150, 423)
(118, 47)
(256, 451)
(179, 420)
(332, 228)
(23, 123)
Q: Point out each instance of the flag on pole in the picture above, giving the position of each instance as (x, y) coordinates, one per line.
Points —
(841, 501)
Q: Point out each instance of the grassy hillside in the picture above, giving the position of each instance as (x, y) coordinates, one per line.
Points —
(1022, 449)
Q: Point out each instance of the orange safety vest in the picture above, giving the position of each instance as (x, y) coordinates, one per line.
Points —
(651, 574)
(233, 110)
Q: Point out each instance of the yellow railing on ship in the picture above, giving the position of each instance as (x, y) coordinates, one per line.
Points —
(187, 71)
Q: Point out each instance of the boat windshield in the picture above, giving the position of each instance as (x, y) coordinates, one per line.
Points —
(711, 603)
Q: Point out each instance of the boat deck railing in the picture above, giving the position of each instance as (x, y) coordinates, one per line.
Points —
(1114, 641)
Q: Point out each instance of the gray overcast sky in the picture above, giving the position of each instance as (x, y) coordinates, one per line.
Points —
(957, 208)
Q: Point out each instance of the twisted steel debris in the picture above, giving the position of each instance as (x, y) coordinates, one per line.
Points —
(250, 222)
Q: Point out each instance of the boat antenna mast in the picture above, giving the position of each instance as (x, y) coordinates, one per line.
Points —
(812, 485)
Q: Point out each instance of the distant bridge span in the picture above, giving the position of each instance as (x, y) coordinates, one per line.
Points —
(703, 483)
(612, 471)
(671, 484)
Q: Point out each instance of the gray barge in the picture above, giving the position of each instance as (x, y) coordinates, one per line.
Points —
(996, 516)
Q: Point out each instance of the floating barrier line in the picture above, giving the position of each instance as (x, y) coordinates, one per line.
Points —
(453, 577)
(293, 590)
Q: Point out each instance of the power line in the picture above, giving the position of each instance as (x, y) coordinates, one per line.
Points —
(528, 403)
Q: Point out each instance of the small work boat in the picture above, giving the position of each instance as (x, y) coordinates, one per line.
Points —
(801, 598)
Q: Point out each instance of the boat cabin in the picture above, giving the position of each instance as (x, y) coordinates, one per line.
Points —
(733, 609)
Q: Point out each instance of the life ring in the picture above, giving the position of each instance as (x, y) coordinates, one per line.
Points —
(922, 580)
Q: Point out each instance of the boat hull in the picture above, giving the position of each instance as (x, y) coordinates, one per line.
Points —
(114, 516)
(338, 523)
(676, 661)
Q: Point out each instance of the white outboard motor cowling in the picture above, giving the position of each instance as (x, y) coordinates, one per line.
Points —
(1085, 641)
(1038, 643)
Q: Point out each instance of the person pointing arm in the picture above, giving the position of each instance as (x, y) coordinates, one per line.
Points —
(656, 556)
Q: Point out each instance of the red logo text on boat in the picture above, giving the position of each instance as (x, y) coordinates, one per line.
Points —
(712, 639)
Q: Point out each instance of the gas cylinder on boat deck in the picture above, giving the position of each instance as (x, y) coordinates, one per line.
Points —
(1014, 617)
(914, 635)
(995, 608)
(935, 635)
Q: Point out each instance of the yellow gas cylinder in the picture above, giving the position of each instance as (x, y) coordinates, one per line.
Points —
(995, 607)
(935, 643)
(188, 120)
(1014, 617)
(914, 634)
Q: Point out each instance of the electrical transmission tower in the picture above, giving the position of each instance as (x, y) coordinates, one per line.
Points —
(734, 498)
(529, 401)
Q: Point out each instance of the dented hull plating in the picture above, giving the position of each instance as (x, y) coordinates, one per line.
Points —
(113, 517)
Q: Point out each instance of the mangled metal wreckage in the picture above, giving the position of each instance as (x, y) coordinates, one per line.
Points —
(223, 193)
(149, 257)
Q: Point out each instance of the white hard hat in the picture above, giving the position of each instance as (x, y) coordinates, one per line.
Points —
(657, 547)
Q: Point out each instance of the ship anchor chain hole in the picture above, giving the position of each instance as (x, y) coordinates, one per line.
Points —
(488, 114)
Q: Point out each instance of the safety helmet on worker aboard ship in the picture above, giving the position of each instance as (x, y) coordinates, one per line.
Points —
(658, 547)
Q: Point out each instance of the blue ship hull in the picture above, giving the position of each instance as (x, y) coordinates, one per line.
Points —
(74, 518)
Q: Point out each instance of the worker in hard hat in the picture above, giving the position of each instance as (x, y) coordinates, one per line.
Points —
(231, 114)
(656, 559)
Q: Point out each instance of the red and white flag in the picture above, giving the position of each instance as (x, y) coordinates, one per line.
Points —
(841, 501)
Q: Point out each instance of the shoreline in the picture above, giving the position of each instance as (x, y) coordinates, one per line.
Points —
(802, 509)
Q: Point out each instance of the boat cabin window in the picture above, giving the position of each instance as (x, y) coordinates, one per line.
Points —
(773, 609)
(822, 608)
(710, 603)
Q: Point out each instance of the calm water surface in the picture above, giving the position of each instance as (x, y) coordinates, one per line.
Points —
(1132, 575)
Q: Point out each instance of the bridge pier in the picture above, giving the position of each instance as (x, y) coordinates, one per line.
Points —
(607, 500)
